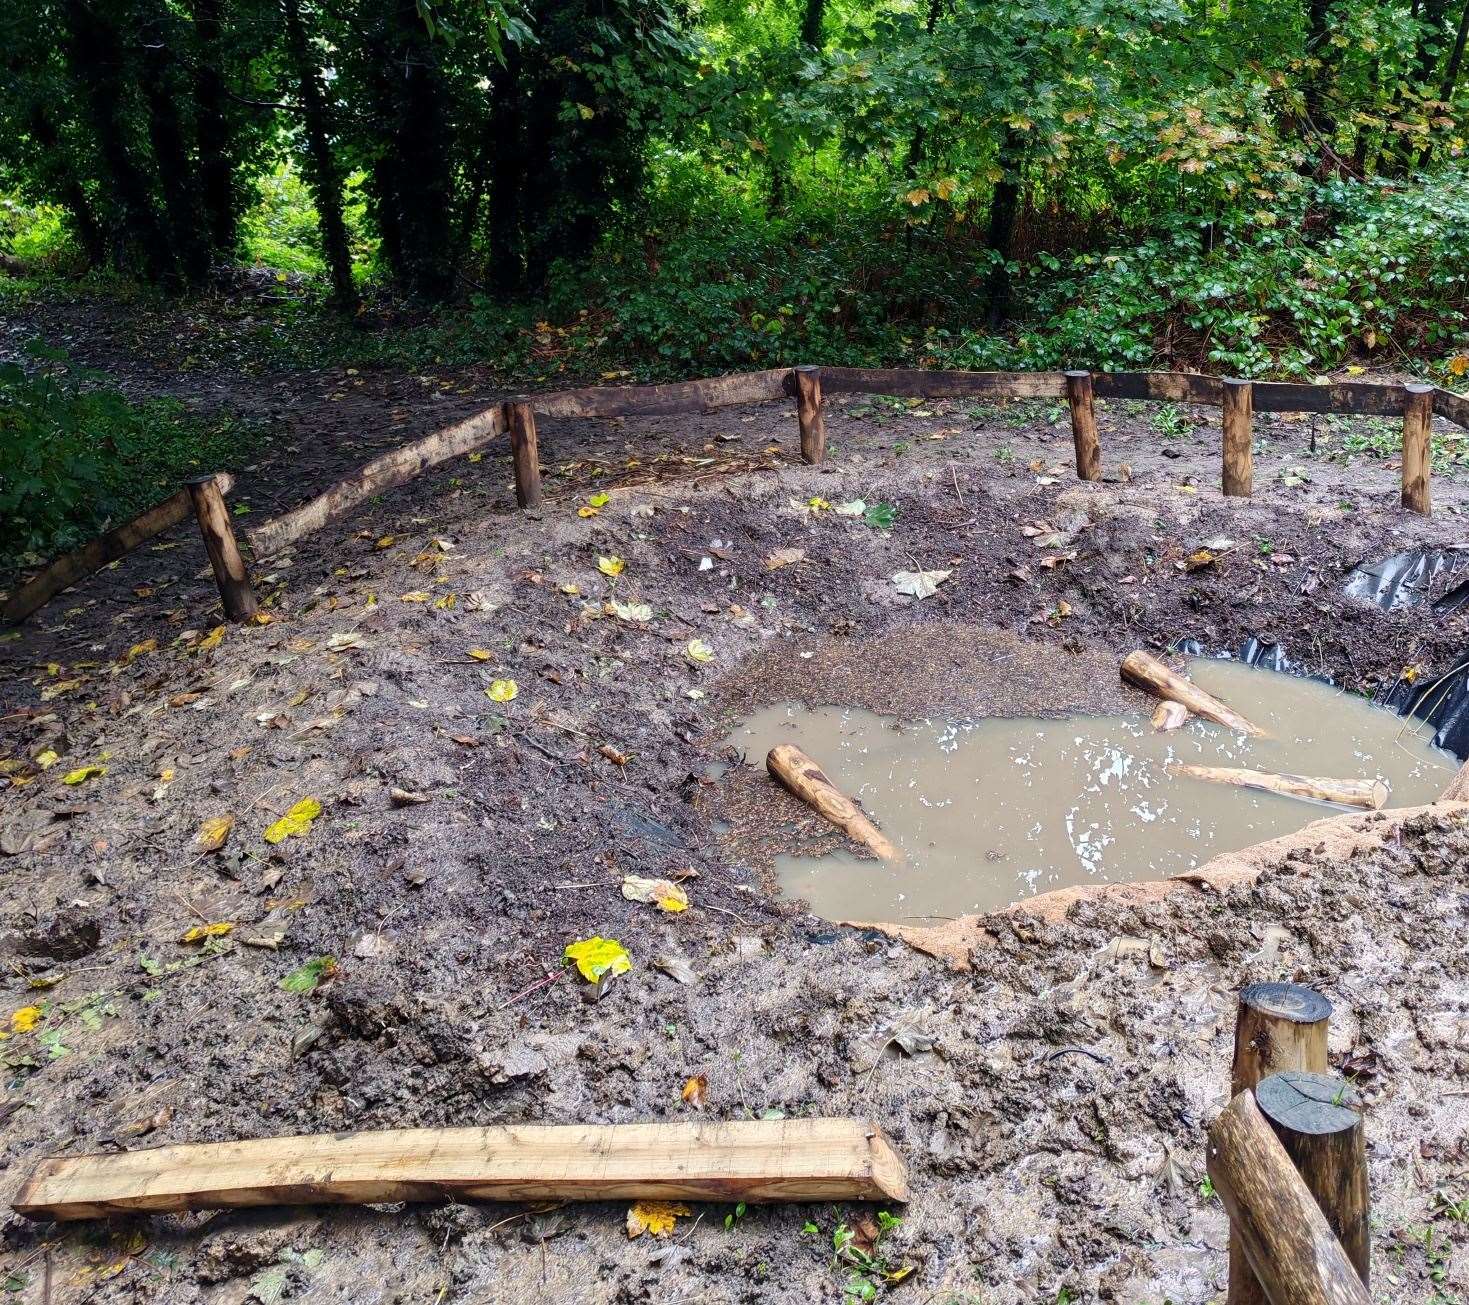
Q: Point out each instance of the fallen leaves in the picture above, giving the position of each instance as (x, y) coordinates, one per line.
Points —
(599, 957)
(213, 833)
(784, 557)
(502, 691)
(296, 822)
(211, 641)
(83, 773)
(696, 1091)
(480, 655)
(612, 567)
(25, 1019)
(307, 978)
(213, 929)
(919, 584)
(699, 651)
(657, 1218)
(663, 893)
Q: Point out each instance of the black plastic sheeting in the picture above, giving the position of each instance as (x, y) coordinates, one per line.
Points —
(1408, 579)
(1254, 652)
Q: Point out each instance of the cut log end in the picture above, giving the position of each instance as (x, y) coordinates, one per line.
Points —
(1147, 672)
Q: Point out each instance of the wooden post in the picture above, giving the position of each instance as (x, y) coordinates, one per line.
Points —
(809, 414)
(1280, 1026)
(521, 421)
(1417, 417)
(1285, 1238)
(230, 572)
(1084, 425)
(1316, 1118)
(1239, 456)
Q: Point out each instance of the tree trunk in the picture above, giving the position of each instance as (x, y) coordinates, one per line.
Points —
(323, 173)
(811, 24)
(68, 188)
(1451, 73)
(1004, 209)
(214, 133)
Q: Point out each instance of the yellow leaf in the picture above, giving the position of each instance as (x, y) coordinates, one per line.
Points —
(946, 188)
(416, 596)
(83, 773)
(595, 957)
(695, 1089)
(1459, 364)
(138, 649)
(200, 932)
(476, 457)
(25, 1019)
(662, 893)
(212, 640)
(45, 760)
(447, 603)
(600, 500)
(296, 821)
(502, 691)
(610, 566)
(917, 197)
(818, 504)
(586, 512)
(387, 541)
(699, 651)
(481, 655)
(655, 1217)
(213, 833)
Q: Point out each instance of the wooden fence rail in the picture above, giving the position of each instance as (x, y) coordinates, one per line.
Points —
(808, 387)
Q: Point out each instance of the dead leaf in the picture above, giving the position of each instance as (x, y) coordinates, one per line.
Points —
(655, 1217)
(784, 557)
(662, 893)
(401, 797)
(920, 584)
(696, 1091)
(213, 833)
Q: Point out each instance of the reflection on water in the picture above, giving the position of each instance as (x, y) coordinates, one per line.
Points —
(988, 812)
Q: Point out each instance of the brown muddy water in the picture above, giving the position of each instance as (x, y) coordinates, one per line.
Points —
(988, 812)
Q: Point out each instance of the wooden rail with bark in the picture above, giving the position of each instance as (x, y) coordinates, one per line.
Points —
(808, 386)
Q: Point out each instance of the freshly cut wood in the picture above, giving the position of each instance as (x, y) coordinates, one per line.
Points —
(1369, 794)
(1147, 672)
(1170, 716)
(1417, 454)
(1279, 1026)
(525, 452)
(1317, 1119)
(1084, 425)
(793, 768)
(747, 1160)
(809, 416)
(1286, 1239)
(63, 572)
(653, 400)
(230, 572)
(386, 472)
(1239, 439)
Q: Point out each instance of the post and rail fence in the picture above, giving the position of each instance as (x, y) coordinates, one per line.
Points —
(808, 386)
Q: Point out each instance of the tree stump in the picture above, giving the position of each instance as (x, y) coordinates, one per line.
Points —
(809, 415)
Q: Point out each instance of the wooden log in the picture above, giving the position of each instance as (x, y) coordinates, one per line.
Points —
(1453, 407)
(745, 1160)
(1417, 452)
(230, 572)
(1170, 716)
(390, 470)
(66, 570)
(1285, 1238)
(794, 769)
(809, 415)
(1369, 794)
(1147, 672)
(913, 382)
(1164, 387)
(1239, 439)
(661, 400)
(1278, 1027)
(1360, 398)
(1084, 425)
(525, 452)
(1317, 1119)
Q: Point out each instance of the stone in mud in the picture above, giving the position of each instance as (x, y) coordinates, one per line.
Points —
(73, 932)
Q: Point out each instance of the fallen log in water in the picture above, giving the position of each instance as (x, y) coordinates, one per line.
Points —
(793, 768)
(1369, 794)
(743, 1160)
(1170, 716)
(1147, 672)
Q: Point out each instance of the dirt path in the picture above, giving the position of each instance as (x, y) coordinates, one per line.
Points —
(1053, 1130)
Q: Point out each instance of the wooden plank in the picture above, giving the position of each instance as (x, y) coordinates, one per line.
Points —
(1164, 387)
(1359, 398)
(657, 400)
(1454, 407)
(386, 472)
(913, 382)
(65, 571)
(747, 1160)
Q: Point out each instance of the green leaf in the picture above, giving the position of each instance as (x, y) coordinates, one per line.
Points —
(309, 976)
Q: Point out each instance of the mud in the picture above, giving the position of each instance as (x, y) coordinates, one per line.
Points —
(1053, 1130)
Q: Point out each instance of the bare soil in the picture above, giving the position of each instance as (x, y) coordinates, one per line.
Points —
(1054, 1129)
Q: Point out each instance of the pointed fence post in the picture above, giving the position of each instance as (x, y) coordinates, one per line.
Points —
(230, 572)
(1417, 417)
(1084, 425)
(1239, 453)
(521, 421)
(809, 414)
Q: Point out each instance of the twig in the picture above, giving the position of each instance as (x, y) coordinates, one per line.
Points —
(526, 992)
(955, 475)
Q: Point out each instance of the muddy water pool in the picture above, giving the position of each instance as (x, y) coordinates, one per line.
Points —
(991, 811)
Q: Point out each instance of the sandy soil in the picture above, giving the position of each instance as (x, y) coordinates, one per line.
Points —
(1053, 1130)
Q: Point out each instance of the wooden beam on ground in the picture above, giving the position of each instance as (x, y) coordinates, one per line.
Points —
(1369, 794)
(1084, 425)
(65, 571)
(1417, 450)
(796, 771)
(914, 382)
(1239, 439)
(1453, 407)
(230, 572)
(809, 417)
(1286, 1239)
(1165, 387)
(1349, 398)
(659, 400)
(1317, 1119)
(390, 470)
(747, 1160)
(1147, 672)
